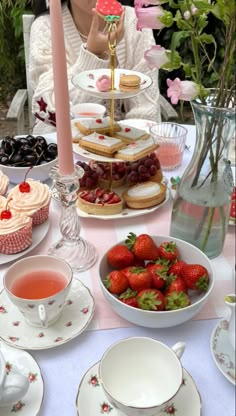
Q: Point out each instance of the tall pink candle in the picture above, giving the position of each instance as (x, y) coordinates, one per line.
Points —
(61, 93)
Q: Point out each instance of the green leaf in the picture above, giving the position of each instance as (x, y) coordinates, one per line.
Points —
(203, 6)
(202, 22)
(174, 61)
(167, 19)
(187, 70)
(178, 38)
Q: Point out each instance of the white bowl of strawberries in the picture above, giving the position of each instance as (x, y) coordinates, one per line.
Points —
(155, 281)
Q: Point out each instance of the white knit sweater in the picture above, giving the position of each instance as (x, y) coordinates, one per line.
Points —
(130, 55)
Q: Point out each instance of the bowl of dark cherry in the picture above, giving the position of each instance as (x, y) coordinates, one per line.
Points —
(19, 153)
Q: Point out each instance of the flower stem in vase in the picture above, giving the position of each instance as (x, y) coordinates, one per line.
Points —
(79, 253)
(201, 207)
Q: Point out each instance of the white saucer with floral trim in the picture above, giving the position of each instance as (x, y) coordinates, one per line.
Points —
(31, 403)
(75, 317)
(91, 400)
(222, 350)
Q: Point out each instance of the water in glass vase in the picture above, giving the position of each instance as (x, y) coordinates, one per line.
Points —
(204, 226)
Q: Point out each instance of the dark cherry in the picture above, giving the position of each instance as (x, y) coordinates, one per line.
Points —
(31, 140)
(41, 141)
(26, 151)
(52, 150)
(32, 158)
(2, 152)
(16, 158)
(4, 160)
(22, 141)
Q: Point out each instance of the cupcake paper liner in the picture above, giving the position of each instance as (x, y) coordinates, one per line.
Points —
(17, 241)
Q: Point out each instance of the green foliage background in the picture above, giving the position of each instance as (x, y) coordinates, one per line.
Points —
(12, 69)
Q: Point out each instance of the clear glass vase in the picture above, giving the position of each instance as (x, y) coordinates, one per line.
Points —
(201, 207)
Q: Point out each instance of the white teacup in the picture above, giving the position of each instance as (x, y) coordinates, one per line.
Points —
(140, 376)
(38, 286)
(13, 384)
(88, 110)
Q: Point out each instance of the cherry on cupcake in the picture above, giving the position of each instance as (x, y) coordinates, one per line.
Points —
(6, 213)
(24, 187)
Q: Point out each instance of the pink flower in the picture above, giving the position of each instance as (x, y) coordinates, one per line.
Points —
(181, 90)
(156, 57)
(149, 18)
(140, 3)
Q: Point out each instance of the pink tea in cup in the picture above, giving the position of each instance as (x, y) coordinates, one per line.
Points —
(171, 138)
(169, 154)
(38, 284)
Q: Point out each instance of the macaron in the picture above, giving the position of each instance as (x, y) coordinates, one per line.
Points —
(129, 82)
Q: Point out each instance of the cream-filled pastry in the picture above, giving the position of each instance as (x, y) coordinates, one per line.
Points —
(144, 195)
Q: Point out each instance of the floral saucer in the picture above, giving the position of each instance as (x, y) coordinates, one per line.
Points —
(76, 315)
(31, 403)
(222, 351)
(92, 401)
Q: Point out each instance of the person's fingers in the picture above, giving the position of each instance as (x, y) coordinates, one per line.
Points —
(95, 22)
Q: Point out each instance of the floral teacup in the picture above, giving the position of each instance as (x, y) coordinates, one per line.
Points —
(141, 376)
(13, 384)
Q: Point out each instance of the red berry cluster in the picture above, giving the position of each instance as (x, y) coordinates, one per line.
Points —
(103, 169)
(90, 178)
(152, 277)
(100, 196)
(143, 169)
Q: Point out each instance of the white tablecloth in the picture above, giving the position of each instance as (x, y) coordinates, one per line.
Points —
(64, 366)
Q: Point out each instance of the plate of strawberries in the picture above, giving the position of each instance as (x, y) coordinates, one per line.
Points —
(155, 281)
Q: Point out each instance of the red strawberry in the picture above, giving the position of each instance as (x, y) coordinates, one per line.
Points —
(176, 268)
(116, 282)
(131, 302)
(109, 8)
(233, 195)
(158, 273)
(196, 277)
(151, 300)
(168, 250)
(176, 300)
(139, 278)
(143, 246)
(177, 285)
(120, 257)
(233, 209)
(129, 298)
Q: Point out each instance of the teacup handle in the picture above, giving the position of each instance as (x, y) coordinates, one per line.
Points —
(43, 316)
(179, 348)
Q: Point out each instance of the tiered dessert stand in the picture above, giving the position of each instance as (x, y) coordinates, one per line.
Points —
(86, 81)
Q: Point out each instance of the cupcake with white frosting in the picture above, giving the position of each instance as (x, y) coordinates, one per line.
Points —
(3, 202)
(31, 198)
(4, 182)
(15, 230)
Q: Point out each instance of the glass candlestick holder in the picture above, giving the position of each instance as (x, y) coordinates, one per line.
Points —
(79, 253)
